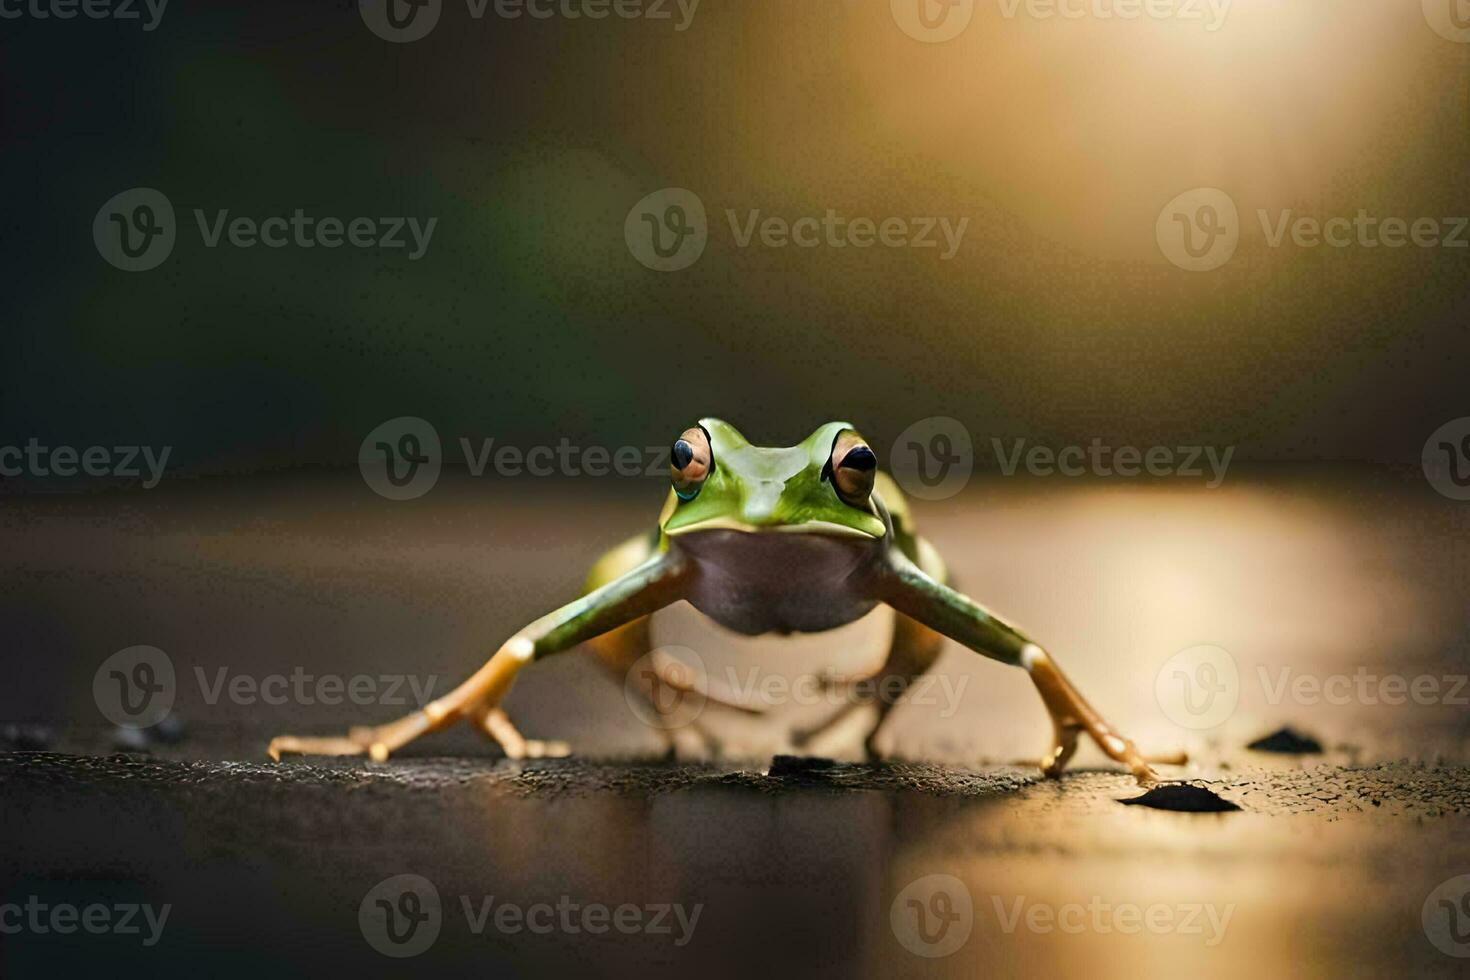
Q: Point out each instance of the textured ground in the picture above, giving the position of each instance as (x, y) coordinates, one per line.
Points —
(1321, 871)
(1325, 869)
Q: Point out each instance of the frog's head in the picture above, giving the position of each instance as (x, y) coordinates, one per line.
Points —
(823, 485)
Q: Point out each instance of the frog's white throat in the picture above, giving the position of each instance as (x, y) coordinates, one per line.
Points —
(756, 583)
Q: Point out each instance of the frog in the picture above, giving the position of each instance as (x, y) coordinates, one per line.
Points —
(761, 541)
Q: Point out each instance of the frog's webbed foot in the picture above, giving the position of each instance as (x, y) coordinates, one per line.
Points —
(486, 686)
(1071, 715)
(381, 741)
(495, 723)
(378, 742)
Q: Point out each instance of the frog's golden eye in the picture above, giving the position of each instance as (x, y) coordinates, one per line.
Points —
(690, 462)
(851, 468)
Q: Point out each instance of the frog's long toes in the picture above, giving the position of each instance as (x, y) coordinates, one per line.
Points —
(538, 749)
(495, 723)
(296, 745)
(1064, 744)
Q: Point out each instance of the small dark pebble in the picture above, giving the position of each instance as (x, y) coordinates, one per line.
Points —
(1287, 741)
(131, 739)
(798, 766)
(26, 737)
(1183, 798)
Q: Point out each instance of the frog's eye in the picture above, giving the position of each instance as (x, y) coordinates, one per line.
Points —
(852, 468)
(690, 461)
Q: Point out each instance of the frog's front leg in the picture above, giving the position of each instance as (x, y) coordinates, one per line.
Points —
(644, 589)
(908, 589)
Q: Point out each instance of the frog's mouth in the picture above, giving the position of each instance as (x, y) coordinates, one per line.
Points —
(823, 528)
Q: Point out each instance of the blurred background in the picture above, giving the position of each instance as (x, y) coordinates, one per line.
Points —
(625, 224)
(1059, 141)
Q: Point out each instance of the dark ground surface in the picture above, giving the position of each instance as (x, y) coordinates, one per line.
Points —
(266, 866)
(1324, 870)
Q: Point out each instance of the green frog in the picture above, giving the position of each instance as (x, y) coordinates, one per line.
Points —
(762, 540)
